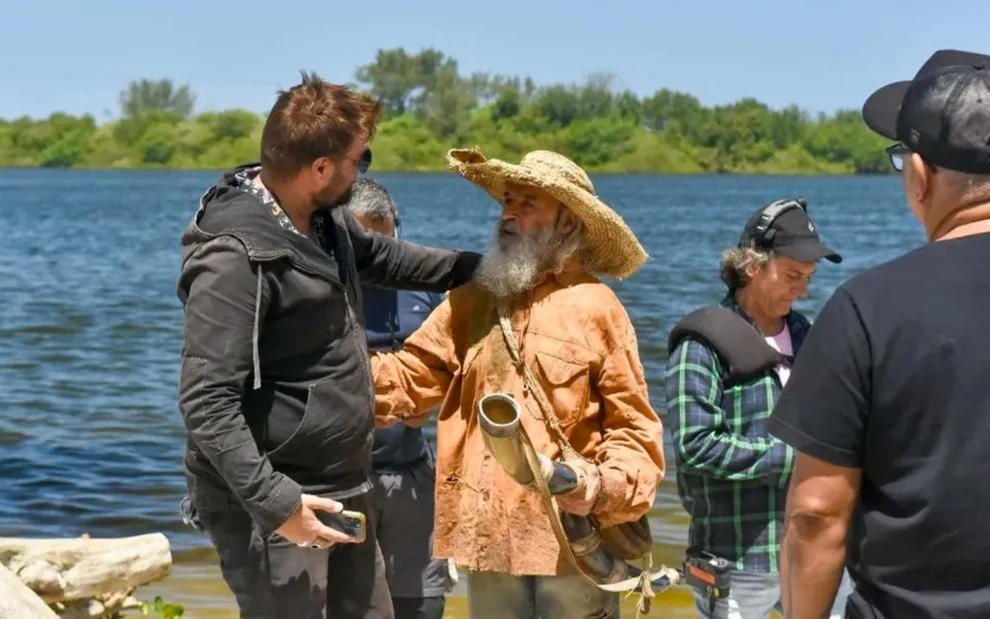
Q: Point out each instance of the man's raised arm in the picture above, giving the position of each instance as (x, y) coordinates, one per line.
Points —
(392, 263)
(412, 381)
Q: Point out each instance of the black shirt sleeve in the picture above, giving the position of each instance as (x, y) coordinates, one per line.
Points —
(822, 410)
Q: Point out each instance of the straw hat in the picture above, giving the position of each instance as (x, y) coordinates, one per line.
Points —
(612, 248)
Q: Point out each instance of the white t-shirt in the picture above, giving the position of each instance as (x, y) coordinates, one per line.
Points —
(782, 344)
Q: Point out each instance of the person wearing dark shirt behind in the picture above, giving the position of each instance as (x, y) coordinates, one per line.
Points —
(888, 405)
(403, 462)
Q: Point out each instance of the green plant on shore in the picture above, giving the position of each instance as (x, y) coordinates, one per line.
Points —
(160, 609)
(430, 106)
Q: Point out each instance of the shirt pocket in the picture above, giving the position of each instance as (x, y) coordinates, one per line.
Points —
(566, 384)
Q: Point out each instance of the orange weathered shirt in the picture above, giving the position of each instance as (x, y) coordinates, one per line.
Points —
(578, 340)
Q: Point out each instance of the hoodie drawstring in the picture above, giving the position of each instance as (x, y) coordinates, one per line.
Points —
(254, 334)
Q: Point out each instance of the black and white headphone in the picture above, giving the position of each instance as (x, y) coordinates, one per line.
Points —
(763, 232)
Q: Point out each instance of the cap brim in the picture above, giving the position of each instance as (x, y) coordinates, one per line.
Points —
(810, 251)
(880, 109)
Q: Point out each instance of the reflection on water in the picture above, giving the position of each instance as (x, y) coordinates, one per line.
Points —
(90, 332)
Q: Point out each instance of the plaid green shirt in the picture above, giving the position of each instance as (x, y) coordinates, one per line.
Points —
(731, 474)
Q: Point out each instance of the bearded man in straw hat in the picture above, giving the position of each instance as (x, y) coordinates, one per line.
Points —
(578, 347)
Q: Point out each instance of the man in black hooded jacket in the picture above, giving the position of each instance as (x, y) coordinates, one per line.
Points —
(275, 386)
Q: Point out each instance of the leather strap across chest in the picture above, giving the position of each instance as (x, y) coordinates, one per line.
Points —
(643, 580)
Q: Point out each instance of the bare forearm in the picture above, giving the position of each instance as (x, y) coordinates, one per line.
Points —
(812, 558)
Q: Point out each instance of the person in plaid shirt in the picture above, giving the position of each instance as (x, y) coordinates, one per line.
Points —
(732, 475)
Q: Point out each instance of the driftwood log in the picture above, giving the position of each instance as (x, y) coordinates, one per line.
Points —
(19, 602)
(83, 577)
(109, 606)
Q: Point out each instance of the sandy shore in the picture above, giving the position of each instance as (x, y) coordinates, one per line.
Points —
(201, 590)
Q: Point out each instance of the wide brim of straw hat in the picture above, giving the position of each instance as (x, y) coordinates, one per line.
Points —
(611, 248)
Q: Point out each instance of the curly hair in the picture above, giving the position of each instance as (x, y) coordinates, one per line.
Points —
(736, 260)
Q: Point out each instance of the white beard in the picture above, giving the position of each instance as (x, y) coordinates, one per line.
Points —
(513, 263)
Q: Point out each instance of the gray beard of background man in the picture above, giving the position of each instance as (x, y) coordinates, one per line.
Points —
(517, 259)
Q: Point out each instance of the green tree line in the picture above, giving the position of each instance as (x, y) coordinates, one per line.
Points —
(431, 106)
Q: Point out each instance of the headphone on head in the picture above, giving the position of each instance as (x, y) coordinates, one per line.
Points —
(763, 232)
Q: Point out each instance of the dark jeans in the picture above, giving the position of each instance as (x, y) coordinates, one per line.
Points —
(404, 513)
(419, 608)
(275, 578)
(404, 516)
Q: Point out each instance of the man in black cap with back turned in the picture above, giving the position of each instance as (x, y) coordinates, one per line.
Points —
(888, 406)
(727, 366)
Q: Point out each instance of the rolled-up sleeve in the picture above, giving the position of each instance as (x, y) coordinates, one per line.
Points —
(412, 381)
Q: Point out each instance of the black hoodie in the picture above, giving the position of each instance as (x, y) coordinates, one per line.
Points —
(275, 386)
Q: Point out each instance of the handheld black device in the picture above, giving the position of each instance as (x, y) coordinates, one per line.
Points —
(347, 522)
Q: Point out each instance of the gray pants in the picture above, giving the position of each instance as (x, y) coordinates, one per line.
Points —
(502, 596)
(753, 595)
(405, 504)
(272, 579)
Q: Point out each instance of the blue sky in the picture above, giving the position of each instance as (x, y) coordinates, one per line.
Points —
(75, 56)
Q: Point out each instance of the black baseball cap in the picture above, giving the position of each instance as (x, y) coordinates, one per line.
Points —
(791, 234)
(943, 114)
